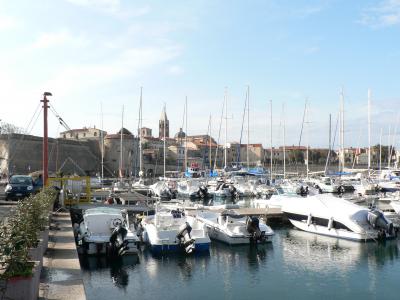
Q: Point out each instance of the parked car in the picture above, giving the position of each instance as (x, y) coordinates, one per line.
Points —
(18, 187)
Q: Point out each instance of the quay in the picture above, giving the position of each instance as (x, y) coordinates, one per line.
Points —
(61, 276)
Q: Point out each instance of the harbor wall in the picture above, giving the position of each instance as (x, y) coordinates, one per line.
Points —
(22, 154)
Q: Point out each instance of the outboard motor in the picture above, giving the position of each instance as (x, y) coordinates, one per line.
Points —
(184, 238)
(118, 244)
(203, 191)
(378, 221)
(253, 227)
(233, 191)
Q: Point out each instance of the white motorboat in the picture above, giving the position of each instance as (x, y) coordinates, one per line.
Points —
(326, 185)
(389, 180)
(231, 228)
(275, 200)
(192, 189)
(224, 190)
(336, 217)
(121, 187)
(161, 190)
(106, 230)
(173, 230)
(140, 187)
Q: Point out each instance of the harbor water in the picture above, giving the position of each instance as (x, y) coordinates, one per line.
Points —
(296, 265)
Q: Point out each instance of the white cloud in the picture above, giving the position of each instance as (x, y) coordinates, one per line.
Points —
(7, 23)
(59, 38)
(311, 50)
(128, 63)
(112, 7)
(386, 13)
(176, 70)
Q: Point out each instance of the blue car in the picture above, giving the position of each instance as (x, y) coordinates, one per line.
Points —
(19, 187)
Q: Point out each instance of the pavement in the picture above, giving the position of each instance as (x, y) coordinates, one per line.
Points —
(61, 276)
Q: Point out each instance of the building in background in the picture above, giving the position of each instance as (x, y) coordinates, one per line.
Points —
(163, 124)
(84, 133)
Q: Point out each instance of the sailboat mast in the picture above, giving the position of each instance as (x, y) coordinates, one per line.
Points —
(248, 126)
(330, 144)
(140, 134)
(102, 144)
(165, 109)
(121, 150)
(380, 152)
(209, 142)
(284, 142)
(341, 156)
(186, 134)
(369, 132)
(389, 146)
(226, 130)
(307, 139)
(271, 175)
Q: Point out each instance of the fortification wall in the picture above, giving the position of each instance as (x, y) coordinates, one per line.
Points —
(22, 154)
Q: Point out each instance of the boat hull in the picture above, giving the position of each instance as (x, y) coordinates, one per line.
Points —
(217, 234)
(336, 233)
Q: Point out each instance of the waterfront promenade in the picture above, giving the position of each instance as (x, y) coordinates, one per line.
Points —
(61, 276)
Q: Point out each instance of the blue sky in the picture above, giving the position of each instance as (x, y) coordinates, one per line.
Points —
(88, 52)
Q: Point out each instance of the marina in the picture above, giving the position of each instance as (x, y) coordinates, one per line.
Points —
(202, 150)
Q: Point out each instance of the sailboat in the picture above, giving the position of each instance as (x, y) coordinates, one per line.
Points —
(139, 186)
(121, 185)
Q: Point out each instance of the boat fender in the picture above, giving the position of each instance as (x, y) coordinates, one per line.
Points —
(330, 223)
(309, 220)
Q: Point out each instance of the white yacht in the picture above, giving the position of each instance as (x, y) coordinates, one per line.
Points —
(106, 230)
(231, 228)
(173, 230)
(326, 185)
(275, 200)
(336, 217)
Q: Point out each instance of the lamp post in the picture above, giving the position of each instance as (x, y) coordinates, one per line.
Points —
(45, 138)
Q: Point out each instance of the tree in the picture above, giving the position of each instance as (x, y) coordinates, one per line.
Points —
(7, 128)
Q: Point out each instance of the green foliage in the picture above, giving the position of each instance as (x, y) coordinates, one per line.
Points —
(21, 233)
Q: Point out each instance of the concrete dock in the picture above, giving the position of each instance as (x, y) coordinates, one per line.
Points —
(61, 276)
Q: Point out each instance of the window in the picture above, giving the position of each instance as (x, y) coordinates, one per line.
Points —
(64, 136)
(84, 134)
(95, 133)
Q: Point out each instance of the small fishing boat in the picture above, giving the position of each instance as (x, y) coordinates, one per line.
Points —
(106, 230)
(172, 230)
(232, 228)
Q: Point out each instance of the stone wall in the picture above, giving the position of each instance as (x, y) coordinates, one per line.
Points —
(22, 154)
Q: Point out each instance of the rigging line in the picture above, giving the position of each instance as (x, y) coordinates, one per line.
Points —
(34, 114)
(332, 146)
(219, 134)
(53, 145)
(241, 131)
(64, 124)
(18, 142)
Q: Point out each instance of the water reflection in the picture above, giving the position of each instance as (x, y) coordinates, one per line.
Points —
(317, 253)
(184, 265)
(118, 267)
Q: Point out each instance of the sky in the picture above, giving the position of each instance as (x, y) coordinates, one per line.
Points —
(95, 55)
